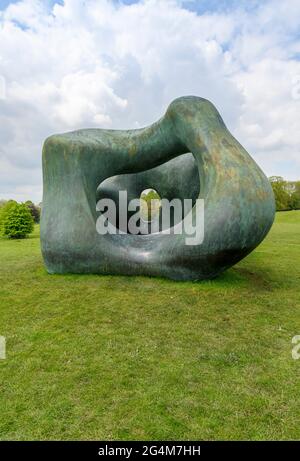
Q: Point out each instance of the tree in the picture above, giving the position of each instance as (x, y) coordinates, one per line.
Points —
(17, 221)
(295, 197)
(34, 210)
(282, 197)
(4, 208)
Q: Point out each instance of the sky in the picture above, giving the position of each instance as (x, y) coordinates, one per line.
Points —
(73, 64)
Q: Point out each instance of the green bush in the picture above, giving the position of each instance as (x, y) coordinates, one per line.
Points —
(5, 206)
(16, 220)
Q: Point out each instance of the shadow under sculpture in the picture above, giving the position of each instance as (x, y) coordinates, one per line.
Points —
(188, 153)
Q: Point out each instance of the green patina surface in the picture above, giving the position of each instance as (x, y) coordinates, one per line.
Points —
(189, 146)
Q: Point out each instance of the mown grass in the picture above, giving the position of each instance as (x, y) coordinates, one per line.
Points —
(91, 357)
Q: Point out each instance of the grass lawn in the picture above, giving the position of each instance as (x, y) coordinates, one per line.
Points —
(108, 357)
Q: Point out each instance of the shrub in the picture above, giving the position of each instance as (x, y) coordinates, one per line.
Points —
(17, 221)
(4, 208)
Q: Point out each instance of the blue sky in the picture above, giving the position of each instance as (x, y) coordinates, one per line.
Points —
(5, 3)
(118, 64)
(199, 6)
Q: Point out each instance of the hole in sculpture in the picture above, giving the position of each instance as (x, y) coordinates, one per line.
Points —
(150, 205)
(176, 179)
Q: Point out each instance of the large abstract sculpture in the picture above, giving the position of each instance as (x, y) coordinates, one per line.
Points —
(188, 153)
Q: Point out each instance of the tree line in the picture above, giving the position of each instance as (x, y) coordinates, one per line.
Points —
(287, 193)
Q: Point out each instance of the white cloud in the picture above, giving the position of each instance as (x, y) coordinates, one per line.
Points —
(102, 63)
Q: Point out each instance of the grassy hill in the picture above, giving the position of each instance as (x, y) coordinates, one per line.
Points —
(91, 357)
